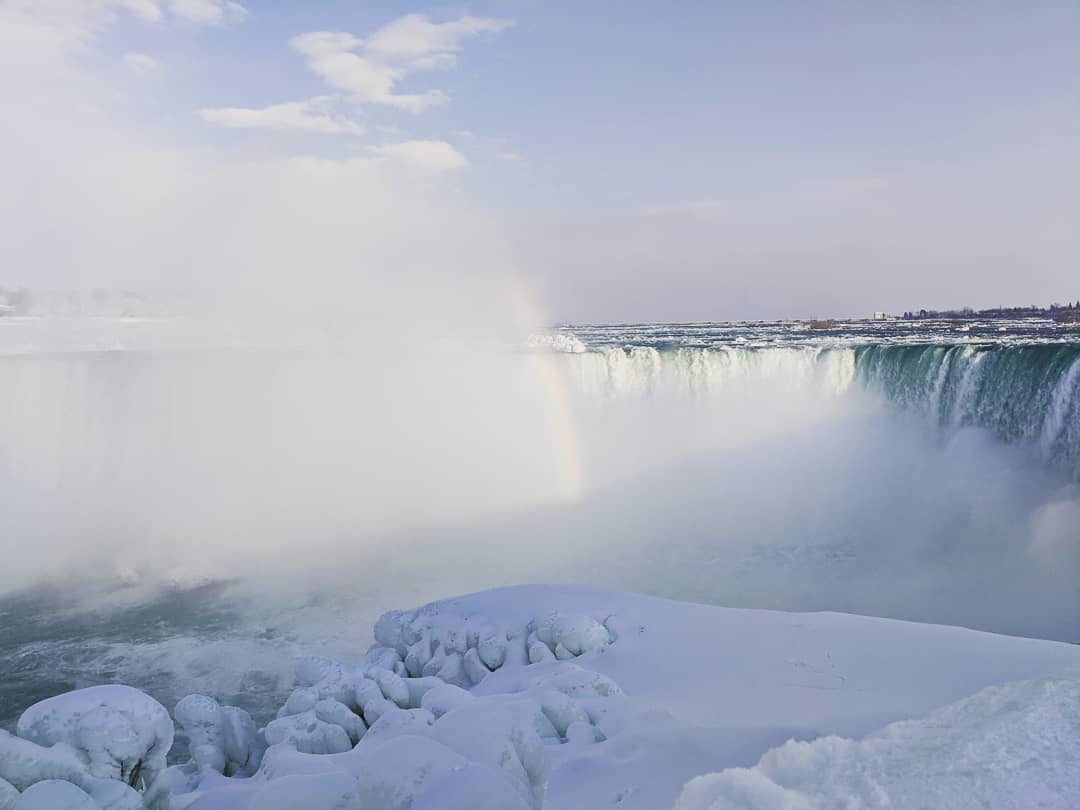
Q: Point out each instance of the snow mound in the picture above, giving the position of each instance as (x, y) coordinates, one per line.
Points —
(1014, 745)
(116, 731)
(56, 794)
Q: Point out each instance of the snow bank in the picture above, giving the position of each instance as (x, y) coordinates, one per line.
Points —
(570, 698)
(1015, 745)
(116, 731)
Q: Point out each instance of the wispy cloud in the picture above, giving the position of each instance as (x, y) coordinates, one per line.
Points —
(426, 156)
(206, 12)
(315, 115)
(370, 69)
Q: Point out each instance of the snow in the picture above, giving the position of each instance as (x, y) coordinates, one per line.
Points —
(118, 732)
(1014, 745)
(575, 698)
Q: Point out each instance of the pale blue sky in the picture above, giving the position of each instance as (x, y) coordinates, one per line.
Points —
(655, 160)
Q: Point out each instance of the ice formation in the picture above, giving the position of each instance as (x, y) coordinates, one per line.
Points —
(571, 698)
(1014, 745)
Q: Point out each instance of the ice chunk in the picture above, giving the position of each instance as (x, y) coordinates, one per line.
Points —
(577, 634)
(388, 629)
(119, 732)
(385, 658)
(307, 733)
(391, 685)
(314, 669)
(330, 711)
(299, 700)
(475, 670)
(377, 707)
(492, 650)
(561, 710)
(418, 687)
(24, 763)
(539, 652)
(222, 738)
(366, 690)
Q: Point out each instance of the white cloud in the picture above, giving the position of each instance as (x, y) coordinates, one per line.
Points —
(427, 156)
(50, 35)
(370, 69)
(141, 63)
(313, 115)
(207, 12)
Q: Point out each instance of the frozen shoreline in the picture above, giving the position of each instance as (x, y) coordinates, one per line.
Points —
(568, 697)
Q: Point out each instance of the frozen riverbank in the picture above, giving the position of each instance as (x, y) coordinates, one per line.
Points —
(578, 698)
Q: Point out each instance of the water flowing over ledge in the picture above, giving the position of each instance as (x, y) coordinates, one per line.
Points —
(1021, 393)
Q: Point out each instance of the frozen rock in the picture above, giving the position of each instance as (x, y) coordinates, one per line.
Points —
(475, 670)
(561, 710)
(392, 686)
(222, 738)
(577, 634)
(299, 700)
(24, 763)
(307, 733)
(418, 687)
(119, 732)
(331, 711)
(539, 652)
(366, 690)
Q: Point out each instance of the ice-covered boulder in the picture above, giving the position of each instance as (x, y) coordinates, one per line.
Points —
(307, 733)
(331, 711)
(575, 634)
(24, 763)
(222, 738)
(117, 731)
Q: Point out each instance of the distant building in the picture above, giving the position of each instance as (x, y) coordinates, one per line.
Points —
(881, 316)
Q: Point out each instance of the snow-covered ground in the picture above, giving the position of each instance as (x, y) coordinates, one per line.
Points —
(576, 698)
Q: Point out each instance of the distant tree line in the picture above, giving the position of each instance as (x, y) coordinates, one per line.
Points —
(1068, 312)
